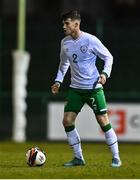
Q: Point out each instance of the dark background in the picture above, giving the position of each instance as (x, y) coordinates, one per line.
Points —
(115, 22)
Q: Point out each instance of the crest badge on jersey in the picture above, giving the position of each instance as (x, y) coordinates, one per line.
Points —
(84, 49)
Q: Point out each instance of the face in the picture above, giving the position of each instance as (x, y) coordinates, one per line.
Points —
(69, 26)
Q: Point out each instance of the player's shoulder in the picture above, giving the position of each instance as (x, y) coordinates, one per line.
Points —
(90, 36)
(65, 39)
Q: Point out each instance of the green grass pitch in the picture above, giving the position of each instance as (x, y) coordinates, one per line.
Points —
(97, 156)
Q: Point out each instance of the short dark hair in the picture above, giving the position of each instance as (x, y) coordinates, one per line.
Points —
(73, 14)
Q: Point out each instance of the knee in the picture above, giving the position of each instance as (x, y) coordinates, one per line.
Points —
(65, 122)
(103, 119)
(68, 119)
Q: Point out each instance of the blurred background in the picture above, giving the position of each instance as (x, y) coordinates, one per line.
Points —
(115, 22)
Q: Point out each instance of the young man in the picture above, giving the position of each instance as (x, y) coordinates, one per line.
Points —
(79, 51)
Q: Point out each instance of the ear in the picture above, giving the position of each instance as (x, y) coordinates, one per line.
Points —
(76, 24)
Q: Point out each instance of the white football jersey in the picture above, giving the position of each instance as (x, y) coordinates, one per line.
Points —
(80, 55)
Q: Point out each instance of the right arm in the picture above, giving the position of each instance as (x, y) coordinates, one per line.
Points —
(63, 67)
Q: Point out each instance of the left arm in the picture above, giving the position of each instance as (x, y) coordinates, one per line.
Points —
(103, 53)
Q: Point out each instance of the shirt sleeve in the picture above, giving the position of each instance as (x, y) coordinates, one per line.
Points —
(103, 53)
(63, 66)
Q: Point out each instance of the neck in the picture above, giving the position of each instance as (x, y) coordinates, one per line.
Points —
(76, 34)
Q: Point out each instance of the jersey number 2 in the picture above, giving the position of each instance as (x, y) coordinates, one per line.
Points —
(75, 58)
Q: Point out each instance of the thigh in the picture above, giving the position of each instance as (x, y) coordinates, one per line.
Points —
(97, 101)
(74, 102)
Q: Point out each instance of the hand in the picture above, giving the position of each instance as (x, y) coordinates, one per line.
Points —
(55, 88)
(102, 79)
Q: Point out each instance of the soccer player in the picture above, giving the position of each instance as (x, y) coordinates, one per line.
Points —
(79, 51)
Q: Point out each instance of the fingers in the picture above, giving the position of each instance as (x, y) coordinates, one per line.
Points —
(55, 88)
(102, 79)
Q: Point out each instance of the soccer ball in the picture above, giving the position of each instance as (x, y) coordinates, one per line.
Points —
(35, 157)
